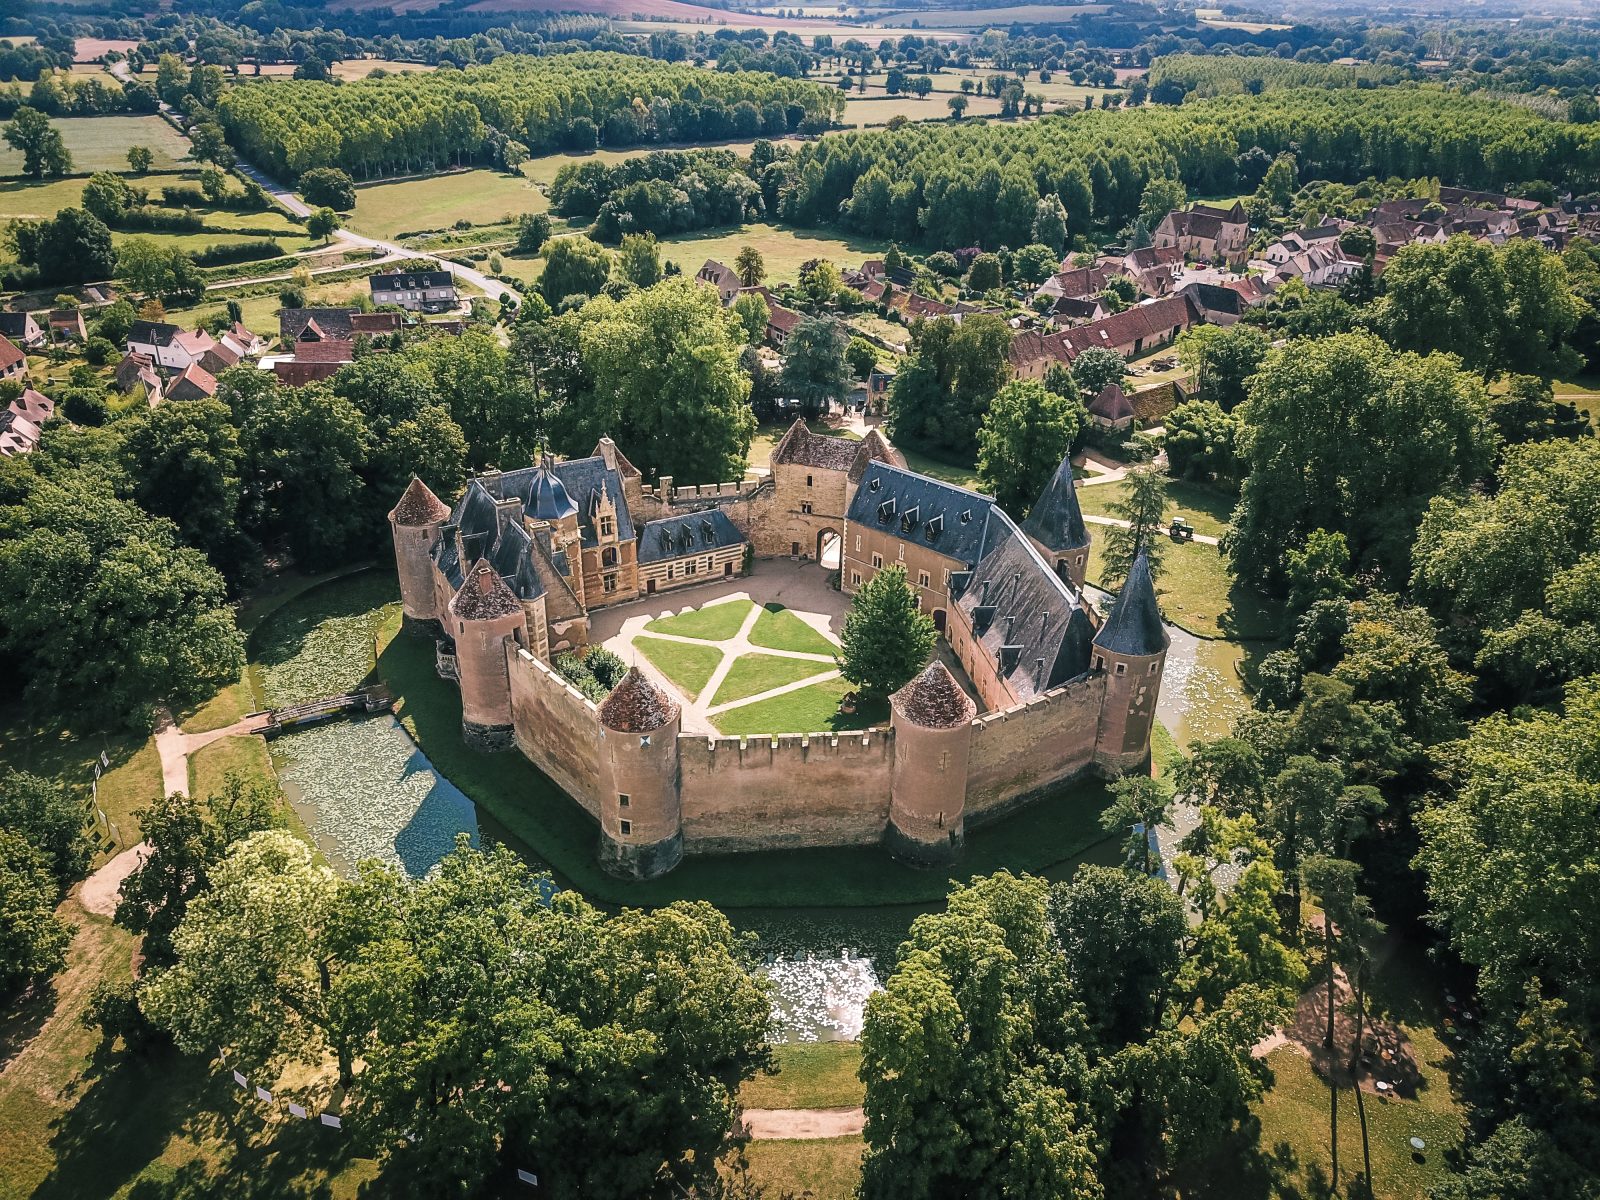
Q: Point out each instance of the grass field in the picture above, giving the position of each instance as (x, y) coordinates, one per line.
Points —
(782, 250)
(46, 197)
(483, 197)
(689, 667)
(1197, 593)
(752, 674)
(820, 1169)
(779, 629)
(210, 766)
(101, 143)
(813, 709)
(818, 1075)
(961, 474)
(866, 109)
(1206, 508)
(714, 622)
(360, 68)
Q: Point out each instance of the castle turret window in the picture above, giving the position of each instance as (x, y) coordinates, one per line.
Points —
(608, 527)
(805, 507)
(627, 828)
(1122, 668)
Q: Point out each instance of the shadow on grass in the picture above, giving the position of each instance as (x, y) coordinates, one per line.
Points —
(538, 819)
(133, 1111)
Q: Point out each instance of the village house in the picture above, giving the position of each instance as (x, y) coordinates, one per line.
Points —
(22, 329)
(416, 291)
(194, 382)
(1206, 232)
(13, 362)
(66, 325)
(21, 423)
(168, 346)
(1110, 410)
(139, 370)
(724, 278)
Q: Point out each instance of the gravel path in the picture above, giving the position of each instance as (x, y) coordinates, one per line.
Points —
(774, 1124)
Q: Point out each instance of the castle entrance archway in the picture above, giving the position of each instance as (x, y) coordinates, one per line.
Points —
(830, 549)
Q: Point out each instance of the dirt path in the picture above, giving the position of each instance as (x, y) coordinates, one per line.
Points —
(99, 892)
(774, 1124)
(1203, 539)
(175, 746)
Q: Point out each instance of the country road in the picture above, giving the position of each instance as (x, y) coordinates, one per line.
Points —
(297, 207)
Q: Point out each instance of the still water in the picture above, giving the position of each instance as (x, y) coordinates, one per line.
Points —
(365, 790)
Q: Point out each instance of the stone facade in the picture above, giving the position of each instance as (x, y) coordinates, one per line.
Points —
(506, 579)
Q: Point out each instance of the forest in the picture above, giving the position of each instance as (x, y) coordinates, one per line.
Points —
(964, 184)
(385, 125)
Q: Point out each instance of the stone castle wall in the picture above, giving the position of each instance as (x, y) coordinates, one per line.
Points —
(784, 791)
(791, 791)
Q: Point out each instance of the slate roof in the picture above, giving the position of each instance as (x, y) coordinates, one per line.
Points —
(15, 325)
(331, 323)
(153, 333)
(579, 477)
(1056, 519)
(915, 508)
(1026, 620)
(547, 497)
(687, 535)
(1134, 626)
(412, 281)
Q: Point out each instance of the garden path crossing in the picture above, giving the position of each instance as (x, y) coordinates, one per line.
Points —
(1203, 539)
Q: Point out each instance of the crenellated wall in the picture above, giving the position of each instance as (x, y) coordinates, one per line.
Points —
(784, 791)
(557, 729)
(1018, 752)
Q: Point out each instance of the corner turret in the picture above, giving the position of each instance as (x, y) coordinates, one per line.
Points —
(641, 816)
(484, 615)
(932, 721)
(1055, 525)
(414, 524)
(1131, 648)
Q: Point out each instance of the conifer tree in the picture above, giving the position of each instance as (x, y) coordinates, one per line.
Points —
(886, 639)
(1141, 506)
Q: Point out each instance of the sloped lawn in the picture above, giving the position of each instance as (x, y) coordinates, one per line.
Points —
(713, 623)
(779, 629)
(752, 674)
(689, 667)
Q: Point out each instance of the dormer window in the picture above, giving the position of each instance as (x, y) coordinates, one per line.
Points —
(966, 515)
(608, 527)
(873, 485)
(886, 509)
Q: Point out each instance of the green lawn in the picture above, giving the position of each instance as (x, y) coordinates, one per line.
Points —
(813, 709)
(752, 674)
(483, 197)
(779, 629)
(782, 250)
(818, 1075)
(818, 1169)
(713, 623)
(689, 667)
(45, 197)
(1206, 508)
(1197, 593)
(78, 1119)
(211, 765)
(961, 474)
(101, 143)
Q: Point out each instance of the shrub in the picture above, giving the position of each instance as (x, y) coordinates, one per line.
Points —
(237, 252)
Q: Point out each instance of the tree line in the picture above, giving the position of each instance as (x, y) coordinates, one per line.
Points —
(413, 122)
(663, 193)
(976, 184)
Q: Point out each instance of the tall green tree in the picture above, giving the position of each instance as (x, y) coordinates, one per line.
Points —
(33, 940)
(574, 267)
(1142, 505)
(44, 152)
(886, 638)
(71, 247)
(749, 266)
(1422, 427)
(944, 387)
(45, 814)
(1025, 435)
(662, 377)
(814, 370)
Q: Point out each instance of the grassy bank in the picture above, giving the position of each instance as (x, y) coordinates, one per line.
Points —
(815, 1075)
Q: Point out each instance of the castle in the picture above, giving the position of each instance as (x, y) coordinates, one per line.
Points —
(507, 578)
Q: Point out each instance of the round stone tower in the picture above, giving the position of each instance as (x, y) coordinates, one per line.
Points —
(932, 721)
(641, 816)
(414, 524)
(1131, 648)
(483, 617)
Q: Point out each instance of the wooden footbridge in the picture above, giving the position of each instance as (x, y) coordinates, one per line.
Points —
(281, 720)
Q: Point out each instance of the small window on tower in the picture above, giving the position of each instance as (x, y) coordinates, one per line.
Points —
(808, 481)
(805, 507)
(622, 799)
(1122, 668)
(627, 828)
(1153, 667)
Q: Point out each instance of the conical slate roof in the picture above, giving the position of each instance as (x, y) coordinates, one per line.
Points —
(419, 506)
(1135, 627)
(484, 595)
(934, 700)
(1056, 520)
(547, 495)
(636, 705)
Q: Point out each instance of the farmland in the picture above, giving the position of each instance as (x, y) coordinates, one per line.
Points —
(783, 250)
(482, 197)
(101, 143)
